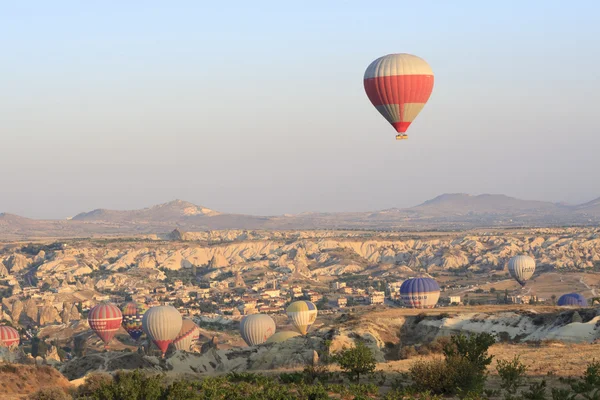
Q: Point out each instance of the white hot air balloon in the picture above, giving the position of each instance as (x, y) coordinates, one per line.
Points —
(162, 324)
(188, 334)
(521, 268)
(256, 328)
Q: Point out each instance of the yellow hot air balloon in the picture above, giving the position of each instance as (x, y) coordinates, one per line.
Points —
(302, 314)
(282, 336)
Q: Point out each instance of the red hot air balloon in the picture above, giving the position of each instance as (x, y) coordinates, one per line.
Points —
(399, 85)
(9, 336)
(105, 319)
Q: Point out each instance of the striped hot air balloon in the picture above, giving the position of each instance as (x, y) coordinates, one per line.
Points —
(420, 292)
(188, 334)
(256, 328)
(399, 85)
(521, 268)
(9, 336)
(282, 336)
(132, 318)
(302, 314)
(105, 319)
(572, 299)
(162, 325)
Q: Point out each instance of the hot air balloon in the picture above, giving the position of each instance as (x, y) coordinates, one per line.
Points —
(256, 328)
(105, 319)
(162, 325)
(188, 334)
(132, 318)
(9, 336)
(572, 299)
(302, 314)
(282, 336)
(399, 85)
(521, 268)
(420, 292)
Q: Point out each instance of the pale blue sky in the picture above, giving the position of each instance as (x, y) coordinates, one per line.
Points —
(258, 107)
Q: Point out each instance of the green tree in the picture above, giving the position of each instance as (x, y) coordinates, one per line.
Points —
(512, 373)
(356, 361)
(38, 347)
(553, 297)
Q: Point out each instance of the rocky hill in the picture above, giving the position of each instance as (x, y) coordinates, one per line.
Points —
(448, 211)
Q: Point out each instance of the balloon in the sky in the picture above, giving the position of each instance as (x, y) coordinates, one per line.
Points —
(399, 85)
(105, 319)
(521, 268)
(162, 325)
(132, 318)
(302, 314)
(256, 328)
(188, 334)
(9, 336)
(420, 292)
(572, 299)
(282, 336)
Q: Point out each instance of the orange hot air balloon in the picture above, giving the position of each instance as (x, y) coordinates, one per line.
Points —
(399, 85)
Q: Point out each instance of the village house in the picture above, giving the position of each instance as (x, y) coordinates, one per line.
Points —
(376, 298)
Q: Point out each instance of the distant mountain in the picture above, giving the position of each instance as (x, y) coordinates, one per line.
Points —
(592, 206)
(448, 211)
(461, 204)
(170, 211)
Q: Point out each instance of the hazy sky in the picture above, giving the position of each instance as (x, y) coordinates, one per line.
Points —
(259, 107)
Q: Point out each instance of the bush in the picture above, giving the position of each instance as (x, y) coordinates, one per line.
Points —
(50, 394)
(407, 352)
(356, 361)
(431, 376)
(462, 371)
(512, 374)
(133, 385)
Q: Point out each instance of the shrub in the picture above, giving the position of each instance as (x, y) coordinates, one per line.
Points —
(407, 352)
(512, 374)
(50, 394)
(432, 376)
(356, 361)
(463, 370)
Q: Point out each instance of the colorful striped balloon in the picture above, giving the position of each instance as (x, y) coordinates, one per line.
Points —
(105, 319)
(9, 336)
(162, 325)
(399, 85)
(302, 314)
(420, 292)
(188, 334)
(132, 318)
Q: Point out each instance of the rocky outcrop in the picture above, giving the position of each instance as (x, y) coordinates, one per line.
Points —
(17, 309)
(48, 315)
(3, 269)
(17, 262)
